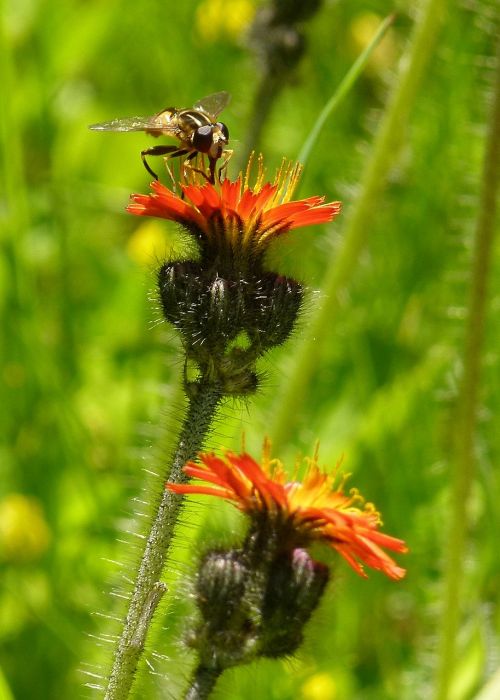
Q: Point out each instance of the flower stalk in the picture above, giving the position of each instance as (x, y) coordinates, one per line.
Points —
(149, 590)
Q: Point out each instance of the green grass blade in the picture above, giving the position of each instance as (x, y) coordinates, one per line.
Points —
(343, 89)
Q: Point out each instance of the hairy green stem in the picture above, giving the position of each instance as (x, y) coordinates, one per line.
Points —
(202, 683)
(148, 589)
(357, 230)
(463, 463)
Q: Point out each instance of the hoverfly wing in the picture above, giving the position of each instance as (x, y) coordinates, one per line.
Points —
(128, 124)
(212, 105)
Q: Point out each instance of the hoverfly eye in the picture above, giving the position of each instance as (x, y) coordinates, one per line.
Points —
(224, 130)
(203, 138)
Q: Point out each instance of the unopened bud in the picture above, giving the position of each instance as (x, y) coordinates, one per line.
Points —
(180, 285)
(296, 584)
(208, 311)
(219, 298)
(220, 585)
(292, 11)
(224, 311)
(212, 313)
(273, 310)
(227, 633)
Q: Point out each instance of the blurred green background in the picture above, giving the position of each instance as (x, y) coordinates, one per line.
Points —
(90, 376)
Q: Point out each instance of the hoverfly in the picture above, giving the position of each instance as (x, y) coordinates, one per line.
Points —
(196, 129)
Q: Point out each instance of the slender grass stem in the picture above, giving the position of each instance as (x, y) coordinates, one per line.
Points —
(341, 267)
(343, 89)
(463, 464)
(148, 589)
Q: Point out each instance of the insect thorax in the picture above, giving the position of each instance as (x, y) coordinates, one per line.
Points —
(192, 119)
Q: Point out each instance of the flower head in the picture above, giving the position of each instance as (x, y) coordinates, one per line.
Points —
(234, 219)
(300, 511)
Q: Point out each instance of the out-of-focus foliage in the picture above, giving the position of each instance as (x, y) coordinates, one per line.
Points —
(89, 376)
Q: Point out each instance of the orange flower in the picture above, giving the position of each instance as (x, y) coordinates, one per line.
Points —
(235, 215)
(313, 509)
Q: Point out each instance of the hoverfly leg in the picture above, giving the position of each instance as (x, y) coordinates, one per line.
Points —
(210, 176)
(171, 175)
(226, 156)
(212, 162)
(201, 171)
(175, 153)
(187, 167)
(157, 151)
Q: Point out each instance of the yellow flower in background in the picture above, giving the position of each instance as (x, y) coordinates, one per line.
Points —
(24, 532)
(320, 686)
(219, 19)
(148, 243)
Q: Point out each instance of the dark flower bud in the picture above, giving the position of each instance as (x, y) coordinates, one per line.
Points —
(272, 310)
(277, 37)
(227, 633)
(296, 584)
(219, 585)
(278, 45)
(291, 11)
(224, 311)
(180, 286)
(206, 310)
(219, 298)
